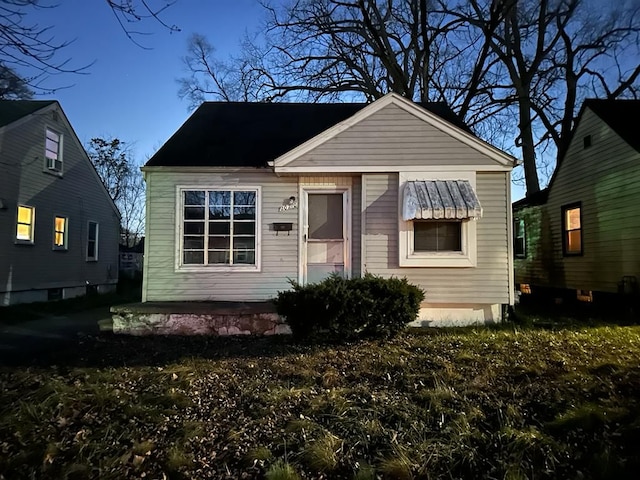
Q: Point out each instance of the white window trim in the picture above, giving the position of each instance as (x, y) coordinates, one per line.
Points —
(180, 267)
(53, 171)
(32, 240)
(407, 257)
(94, 258)
(65, 244)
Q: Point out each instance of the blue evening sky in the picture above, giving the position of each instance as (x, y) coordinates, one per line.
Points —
(129, 92)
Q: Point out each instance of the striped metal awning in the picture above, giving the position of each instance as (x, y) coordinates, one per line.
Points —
(440, 199)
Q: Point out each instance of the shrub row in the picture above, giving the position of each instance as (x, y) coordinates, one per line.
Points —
(339, 309)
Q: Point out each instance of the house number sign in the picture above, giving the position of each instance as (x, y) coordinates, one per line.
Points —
(288, 204)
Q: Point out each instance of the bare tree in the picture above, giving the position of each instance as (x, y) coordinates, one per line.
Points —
(12, 87)
(35, 53)
(490, 60)
(123, 180)
(325, 49)
(554, 54)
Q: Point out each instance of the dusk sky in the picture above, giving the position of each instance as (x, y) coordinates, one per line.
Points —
(130, 92)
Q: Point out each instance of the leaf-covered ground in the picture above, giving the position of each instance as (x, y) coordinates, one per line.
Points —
(478, 403)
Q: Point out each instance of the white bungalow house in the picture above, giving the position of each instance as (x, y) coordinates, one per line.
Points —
(246, 196)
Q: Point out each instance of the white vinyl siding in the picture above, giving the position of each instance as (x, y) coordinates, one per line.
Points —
(486, 283)
(392, 136)
(163, 277)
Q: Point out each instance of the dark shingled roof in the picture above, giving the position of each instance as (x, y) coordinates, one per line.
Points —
(620, 115)
(537, 198)
(231, 134)
(12, 110)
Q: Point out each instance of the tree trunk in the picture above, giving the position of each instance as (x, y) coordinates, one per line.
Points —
(528, 149)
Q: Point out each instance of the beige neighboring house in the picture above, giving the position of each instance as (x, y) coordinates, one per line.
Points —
(59, 228)
(580, 237)
(246, 196)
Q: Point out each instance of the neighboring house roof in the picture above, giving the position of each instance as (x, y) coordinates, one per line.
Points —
(232, 134)
(12, 110)
(618, 114)
(538, 198)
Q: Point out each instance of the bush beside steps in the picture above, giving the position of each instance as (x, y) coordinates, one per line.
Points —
(340, 310)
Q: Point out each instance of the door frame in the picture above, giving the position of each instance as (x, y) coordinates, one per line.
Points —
(303, 231)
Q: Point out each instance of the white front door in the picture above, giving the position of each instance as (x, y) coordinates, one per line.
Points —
(325, 240)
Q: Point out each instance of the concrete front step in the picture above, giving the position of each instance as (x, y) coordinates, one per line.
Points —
(198, 318)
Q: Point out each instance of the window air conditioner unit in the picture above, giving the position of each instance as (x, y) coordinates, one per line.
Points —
(53, 164)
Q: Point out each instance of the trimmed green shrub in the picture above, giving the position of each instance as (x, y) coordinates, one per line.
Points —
(339, 309)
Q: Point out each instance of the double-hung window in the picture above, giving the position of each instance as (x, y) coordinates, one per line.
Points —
(519, 238)
(92, 241)
(220, 227)
(572, 229)
(53, 150)
(60, 233)
(25, 224)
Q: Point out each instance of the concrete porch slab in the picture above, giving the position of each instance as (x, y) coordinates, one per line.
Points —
(198, 318)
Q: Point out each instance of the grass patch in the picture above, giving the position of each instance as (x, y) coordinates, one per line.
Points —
(508, 402)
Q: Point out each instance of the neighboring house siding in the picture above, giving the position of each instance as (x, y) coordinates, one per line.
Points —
(488, 283)
(77, 195)
(605, 178)
(392, 136)
(537, 266)
(279, 252)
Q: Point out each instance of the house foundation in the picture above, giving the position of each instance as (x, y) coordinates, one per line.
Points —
(198, 318)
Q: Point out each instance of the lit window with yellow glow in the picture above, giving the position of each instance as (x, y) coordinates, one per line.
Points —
(25, 223)
(572, 229)
(60, 233)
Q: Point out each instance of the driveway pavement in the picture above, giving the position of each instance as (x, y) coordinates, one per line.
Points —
(50, 332)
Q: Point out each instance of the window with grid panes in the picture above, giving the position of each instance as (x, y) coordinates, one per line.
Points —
(219, 227)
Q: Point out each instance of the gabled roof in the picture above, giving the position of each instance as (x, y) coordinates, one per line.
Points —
(235, 134)
(12, 110)
(420, 111)
(618, 114)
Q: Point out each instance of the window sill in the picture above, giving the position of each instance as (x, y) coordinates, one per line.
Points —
(60, 249)
(53, 173)
(24, 242)
(438, 260)
(218, 268)
(92, 260)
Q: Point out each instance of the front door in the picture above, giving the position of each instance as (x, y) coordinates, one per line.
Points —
(325, 239)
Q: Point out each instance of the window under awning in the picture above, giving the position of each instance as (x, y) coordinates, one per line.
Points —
(440, 200)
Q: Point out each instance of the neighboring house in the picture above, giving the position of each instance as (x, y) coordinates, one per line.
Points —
(131, 259)
(58, 226)
(582, 233)
(246, 196)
